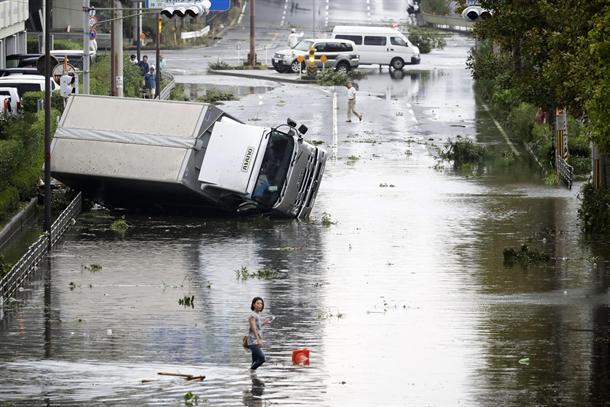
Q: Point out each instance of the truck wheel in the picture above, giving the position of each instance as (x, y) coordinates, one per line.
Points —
(296, 67)
(343, 67)
(397, 63)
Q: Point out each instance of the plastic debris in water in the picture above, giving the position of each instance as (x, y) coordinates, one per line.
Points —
(524, 361)
(300, 357)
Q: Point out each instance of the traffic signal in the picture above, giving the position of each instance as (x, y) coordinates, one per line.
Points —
(187, 9)
(312, 55)
(473, 13)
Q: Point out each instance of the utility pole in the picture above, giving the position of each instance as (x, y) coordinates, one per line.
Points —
(86, 30)
(112, 51)
(252, 56)
(158, 58)
(117, 49)
(139, 29)
(47, 123)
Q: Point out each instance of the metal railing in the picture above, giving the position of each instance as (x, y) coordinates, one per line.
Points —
(564, 170)
(167, 90)
(454, 23)
(37, 250)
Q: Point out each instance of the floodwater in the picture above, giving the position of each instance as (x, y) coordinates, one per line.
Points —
(402, 296)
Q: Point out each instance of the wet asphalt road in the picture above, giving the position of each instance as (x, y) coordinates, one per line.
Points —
(403, 299)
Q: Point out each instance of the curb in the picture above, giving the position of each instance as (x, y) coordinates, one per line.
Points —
(17, 223)
(263, 77)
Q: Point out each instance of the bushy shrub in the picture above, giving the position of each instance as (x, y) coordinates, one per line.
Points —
(215, 96)
(31, 101)
(463, 152)
(581, 165)
(9, 199)
(521, 121)
(542, 142)
(67, 44)
(426, 39)
(100, 77)
(593, 212)
(220, 66)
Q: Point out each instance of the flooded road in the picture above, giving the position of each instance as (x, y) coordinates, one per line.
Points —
(401, 294)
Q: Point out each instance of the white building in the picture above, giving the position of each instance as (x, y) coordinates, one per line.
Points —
(13, 15)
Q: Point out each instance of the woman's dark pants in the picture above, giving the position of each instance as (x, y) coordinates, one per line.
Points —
(258, 357)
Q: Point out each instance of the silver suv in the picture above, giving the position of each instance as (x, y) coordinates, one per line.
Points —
(340, 54)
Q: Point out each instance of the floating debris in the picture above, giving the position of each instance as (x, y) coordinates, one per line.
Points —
(524, 255)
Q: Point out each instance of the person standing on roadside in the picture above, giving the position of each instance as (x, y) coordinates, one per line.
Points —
(143, 64)
(294, 38)
(255, 338)
(150, 83)
(351, 103)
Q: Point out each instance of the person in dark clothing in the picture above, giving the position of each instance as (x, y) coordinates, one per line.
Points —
(143, 64)
(150, 83)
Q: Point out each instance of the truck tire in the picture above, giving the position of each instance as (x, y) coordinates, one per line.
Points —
(397, 63)
(342, 67)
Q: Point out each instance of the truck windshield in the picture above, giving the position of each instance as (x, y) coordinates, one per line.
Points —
(273, 169)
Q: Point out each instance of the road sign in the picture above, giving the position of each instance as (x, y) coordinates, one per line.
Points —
(91, 12)
(300, 58)
(92, 21)
(323, 59)
(92, 34)
(215, 5)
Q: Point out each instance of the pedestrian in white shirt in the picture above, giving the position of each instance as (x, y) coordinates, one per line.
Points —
(294, 38)
(351, 103)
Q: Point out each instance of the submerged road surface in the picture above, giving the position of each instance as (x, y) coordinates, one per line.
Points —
(396, 285)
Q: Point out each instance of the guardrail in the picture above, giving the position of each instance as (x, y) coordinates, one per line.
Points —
(37, 250)
(564, 170)
(167, 90)
(454, 23)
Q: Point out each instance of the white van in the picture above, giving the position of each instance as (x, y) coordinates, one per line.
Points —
(26, 83)
(379, 45)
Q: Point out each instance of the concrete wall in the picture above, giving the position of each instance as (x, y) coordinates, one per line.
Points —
(13, 14)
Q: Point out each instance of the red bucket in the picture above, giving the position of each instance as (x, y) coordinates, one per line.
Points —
(300, 357)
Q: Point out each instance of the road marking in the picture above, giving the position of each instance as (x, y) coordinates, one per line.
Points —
(510, 144)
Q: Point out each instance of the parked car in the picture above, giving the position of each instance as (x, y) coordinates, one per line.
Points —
(75, 58)
(13, 99)
(19, 71)
(26, 83)
(340, 55)
(380, 45)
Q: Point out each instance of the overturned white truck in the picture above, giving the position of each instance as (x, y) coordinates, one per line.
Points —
(183, 157)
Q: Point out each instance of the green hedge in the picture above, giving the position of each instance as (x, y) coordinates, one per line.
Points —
(9, 199)
(21, 158)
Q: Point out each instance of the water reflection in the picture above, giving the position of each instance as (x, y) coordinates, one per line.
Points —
(253, 396)
(194, 91)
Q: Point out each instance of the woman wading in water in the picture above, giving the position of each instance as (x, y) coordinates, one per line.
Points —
(255, 339)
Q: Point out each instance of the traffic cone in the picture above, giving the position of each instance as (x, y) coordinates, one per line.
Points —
(300, 357)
